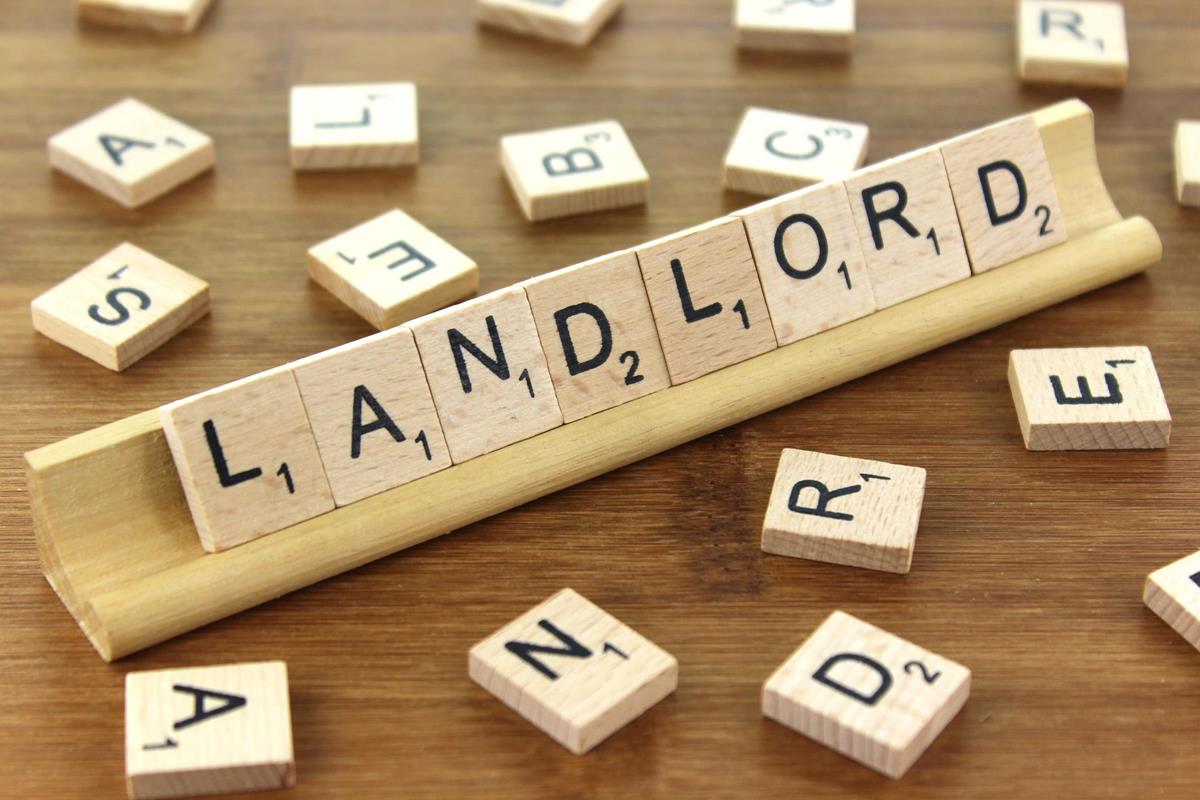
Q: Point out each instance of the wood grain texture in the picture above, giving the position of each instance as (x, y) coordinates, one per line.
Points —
(1030, 565)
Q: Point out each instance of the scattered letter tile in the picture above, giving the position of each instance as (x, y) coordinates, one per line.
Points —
(1089, 398)
(573, 22)
(120, 307)
(574, 671)
(574, 170)
(1006, 200)
(844, 511)
(487, 373)
(392, 269)
(351, 126)
(809, 261)
(208, 730)
(707, 302)
(814, 26)
(372, 415)
(247, 459)
(131, 153)
(598, 334)
(775, 152)
(164, 16)
(1079, 42)
(1173, 593)
(1187, 163)
(867, 694)
(908, 226)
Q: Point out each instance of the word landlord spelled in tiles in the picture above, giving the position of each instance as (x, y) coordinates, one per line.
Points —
(1173, 593)
(1187, 163)
(573, 670)
(131, 152)
(1089, 398)
(844, 511)
(164, 16)
(1077, 42)
(392, 269)
(573, 170)
(815, 26)
(573, 22)
(867, 694)
(346, 126)
(208, 730)
(120, 307)
(775, 152)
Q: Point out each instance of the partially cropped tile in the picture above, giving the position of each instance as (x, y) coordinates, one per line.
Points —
(354, 126)
(573, 22)
(163, 16)
(776, 151)
(1173, 593)
(1187, 163)
(812, 26)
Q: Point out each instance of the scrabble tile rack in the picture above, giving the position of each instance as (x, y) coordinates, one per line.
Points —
(117, 542)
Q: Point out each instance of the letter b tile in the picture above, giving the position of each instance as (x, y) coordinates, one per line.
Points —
(866, 693)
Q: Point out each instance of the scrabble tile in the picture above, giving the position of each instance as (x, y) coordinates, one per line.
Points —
(487, 373)
(353, 126)
(1073, 42)
(598, 333)
(1187, 163)
(573, 670)
(1173, 593)
(813, 26)
(208, 730)
(844, 511)
(573, 170)
(908, 226)
(809, 261)
(1004, 192)
(391, 269)
(372, 415)
(164, 16)
(1089, 398)
(707, 302)
(775, 152)
(247, 459)
(573, 22)
(120, 307)
(866, 694)
(131, 152)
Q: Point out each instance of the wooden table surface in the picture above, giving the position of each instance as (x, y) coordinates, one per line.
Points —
(1029, 567)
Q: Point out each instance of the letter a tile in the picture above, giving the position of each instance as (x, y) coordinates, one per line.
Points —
(844, 511)
(1004, 192)
(867, 694)
(1089, 398)
(487, 373)
(1173, 593)
(208, 730)
(247, 459)
(707, 301)
(574, 671)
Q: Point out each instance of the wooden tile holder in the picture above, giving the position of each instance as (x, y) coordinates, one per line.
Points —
(118, 545)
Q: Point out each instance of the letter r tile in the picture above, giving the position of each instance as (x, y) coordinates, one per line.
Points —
(866, 694)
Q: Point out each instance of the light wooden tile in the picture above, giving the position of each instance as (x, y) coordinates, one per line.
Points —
(1173, 592)
(163, 16)
(247, 459)
(1007, 204)
(908, 226)
(776, 151)
(487, 372)
(1089, 398)
(867, 694)
(354, 126)
(809, 261)
(573, 22)
(574, 170)
(707, 302)
(850, 511)
(573, 670)
(131, 152)
(813, 26)
(1187, 163)
(208, 730)
(372, 415)
(391, 269)
(598, 333)
(1076, 42)
(120, 307)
